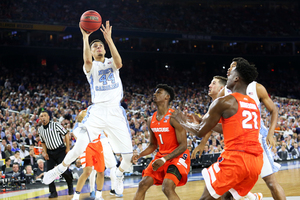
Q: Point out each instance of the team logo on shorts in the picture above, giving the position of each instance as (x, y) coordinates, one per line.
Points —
(220, 159)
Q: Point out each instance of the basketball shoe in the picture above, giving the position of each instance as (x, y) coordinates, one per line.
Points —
(50, 176)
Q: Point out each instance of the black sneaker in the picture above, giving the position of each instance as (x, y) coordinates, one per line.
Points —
(53, 195)
(112, 192)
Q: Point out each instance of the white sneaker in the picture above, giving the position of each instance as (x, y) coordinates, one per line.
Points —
(119, 187)
(100, 198)
(50, 176)
(74, 198)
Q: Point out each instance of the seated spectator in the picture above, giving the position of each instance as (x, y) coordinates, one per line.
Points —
(30, 159)
(275, 154)
(16, 158)
(19, 140)
(7, 167)
(15, 147)
(77, 170)
(8, 152)
(39, 174)
(3, 145)
(15, 173)
(29, 140)
(283, 153)
(205, 150)
(295, 151)
(28, 170)
(29, 174)
(23, 152)
(8, 138)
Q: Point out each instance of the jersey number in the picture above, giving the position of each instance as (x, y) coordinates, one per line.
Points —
(110, 77)
(248, 114)
(160, 138)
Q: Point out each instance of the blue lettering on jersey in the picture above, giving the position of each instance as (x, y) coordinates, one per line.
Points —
(106, 75)
(107, 87)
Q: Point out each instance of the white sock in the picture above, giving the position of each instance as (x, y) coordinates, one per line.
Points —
(76, 196)
(61, 168)
(98, 194)
(119, 173)
(251, 196)
(113, 177)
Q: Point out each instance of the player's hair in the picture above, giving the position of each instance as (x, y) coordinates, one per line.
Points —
(222, 80)
(168, 89)
(247, 71)
(96, 40)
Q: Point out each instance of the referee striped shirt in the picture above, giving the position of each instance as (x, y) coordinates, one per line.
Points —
(52, 134)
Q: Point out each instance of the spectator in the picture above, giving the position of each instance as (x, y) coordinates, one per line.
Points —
(30, 159)
(28, 170)
(23, 152)
(3, 145)
(7, 167)
(15, 147)
(40, 170)
(295, 151)
(19, 140)
(8, 152)
(283, 153)
(29, 140)
(16, 158)
(77, 170)
(15, 173)
(275, 155)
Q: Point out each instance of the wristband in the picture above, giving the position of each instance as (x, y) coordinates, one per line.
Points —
(163, 159)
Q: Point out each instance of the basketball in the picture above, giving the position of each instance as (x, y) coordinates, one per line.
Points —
(90, 21)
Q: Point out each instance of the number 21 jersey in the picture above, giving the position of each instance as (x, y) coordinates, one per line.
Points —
(241, 131)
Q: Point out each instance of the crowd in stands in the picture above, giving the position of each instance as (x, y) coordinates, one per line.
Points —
(282, 19)
(64, 92)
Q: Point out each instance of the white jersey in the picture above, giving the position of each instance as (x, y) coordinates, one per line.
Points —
(251, 92)
(105, 82)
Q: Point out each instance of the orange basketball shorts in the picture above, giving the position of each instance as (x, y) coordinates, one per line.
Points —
(235, 171)
(93, 156)
(182, 163)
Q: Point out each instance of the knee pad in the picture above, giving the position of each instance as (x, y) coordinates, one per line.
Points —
(126, 161)
(172, 169)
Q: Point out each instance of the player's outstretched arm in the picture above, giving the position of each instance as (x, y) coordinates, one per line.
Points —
(201, 146)
(151, 147)
(210, 120)
(271, 107)
(87, 55)
(106, 30)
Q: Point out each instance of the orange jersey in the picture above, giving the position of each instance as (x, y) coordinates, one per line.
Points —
(241, 131)
(164, 133)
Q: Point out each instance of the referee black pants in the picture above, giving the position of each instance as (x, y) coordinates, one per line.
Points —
(56, 157)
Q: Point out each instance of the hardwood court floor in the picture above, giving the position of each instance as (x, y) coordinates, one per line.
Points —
(288, 179)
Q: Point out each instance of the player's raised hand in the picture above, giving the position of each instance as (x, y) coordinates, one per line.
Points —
(84, 33)
(157, 164)
(106, 30)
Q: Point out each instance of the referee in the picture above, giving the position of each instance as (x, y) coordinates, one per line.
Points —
(54, 148)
